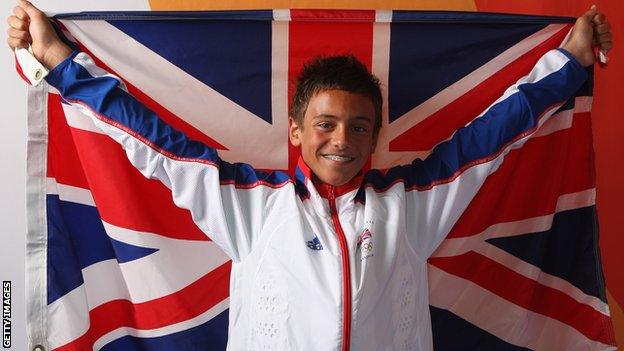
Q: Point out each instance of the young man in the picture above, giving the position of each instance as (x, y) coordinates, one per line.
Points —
(333, 259)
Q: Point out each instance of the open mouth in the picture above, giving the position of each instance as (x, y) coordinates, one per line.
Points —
(338, 158)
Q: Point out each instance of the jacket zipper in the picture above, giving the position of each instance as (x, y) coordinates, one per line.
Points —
(346, 273)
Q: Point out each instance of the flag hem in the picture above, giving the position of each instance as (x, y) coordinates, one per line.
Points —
(319, 16)
(36, 219)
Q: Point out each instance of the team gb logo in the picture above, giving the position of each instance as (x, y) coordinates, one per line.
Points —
(365, 244)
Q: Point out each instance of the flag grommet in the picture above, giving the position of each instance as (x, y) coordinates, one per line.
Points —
(38, 348)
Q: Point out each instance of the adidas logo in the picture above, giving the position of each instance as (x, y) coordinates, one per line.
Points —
(314, 244)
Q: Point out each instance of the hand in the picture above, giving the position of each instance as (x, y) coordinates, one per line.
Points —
(590, 30)
(29, 26)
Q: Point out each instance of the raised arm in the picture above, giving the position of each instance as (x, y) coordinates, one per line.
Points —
(227, 201)
(29, 26)
(440, 187)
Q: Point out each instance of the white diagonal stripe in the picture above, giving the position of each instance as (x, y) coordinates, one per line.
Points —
(503, 319)
(164, 271)
(68, 318)
(391, 131)
(532, 272)
(458, 246)
(170, 329)
(185, 96)
(69, 193)
(467, 83)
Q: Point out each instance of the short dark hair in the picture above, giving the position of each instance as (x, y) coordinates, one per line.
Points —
(344, 72)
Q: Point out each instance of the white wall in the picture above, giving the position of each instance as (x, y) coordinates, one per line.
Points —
(13, 156)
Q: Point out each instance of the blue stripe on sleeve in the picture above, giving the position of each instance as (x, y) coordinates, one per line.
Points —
(486, 135)
(102, 95)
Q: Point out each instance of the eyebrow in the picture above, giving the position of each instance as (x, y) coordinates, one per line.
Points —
(324, 115)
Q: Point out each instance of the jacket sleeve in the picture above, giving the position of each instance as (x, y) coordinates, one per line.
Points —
(226, 201)
(439, 188)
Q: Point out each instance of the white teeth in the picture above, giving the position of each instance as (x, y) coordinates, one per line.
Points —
(338, 158)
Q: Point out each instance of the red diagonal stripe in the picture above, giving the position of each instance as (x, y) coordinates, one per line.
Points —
(527, 293)
(440, 125)
(63, 160)
(185, 304)
(541, 171)
(124, 197)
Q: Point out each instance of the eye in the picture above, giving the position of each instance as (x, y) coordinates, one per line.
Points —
(360, 129)
(324, 125)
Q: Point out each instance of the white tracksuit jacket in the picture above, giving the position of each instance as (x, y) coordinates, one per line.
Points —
(317, 267)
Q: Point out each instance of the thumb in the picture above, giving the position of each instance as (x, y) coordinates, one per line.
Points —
(589, 15)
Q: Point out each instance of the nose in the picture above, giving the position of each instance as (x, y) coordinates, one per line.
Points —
(340, 138)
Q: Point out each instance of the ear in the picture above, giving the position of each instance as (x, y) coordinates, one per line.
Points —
(294, 132)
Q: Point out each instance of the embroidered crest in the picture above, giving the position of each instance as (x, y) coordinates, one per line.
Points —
(365, 243)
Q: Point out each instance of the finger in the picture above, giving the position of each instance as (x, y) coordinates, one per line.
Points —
(606, 46)
(17, 23)
(19, 34)
(30, 9)
(602, 28)
(602, 38)
(599, 18)
(589, 15)
(20, 13)
(16, 33)
(15, 43)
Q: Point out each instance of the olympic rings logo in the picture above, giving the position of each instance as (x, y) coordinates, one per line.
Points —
(367, 247)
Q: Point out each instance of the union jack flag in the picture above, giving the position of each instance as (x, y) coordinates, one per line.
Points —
(115, 265)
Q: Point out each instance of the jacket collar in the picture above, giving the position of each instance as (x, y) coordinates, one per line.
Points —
(324, 189)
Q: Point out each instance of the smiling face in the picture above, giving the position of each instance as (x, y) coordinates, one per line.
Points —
(337, 135)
